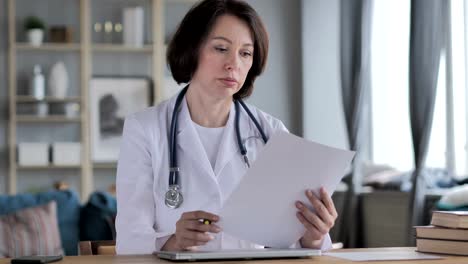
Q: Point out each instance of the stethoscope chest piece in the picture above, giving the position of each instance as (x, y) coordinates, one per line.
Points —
(173, 197)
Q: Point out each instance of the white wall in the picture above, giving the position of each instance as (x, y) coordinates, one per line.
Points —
(323, 118)
(278, 90)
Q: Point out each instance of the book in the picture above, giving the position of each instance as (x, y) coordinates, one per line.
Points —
(452, 219)
(436, 232)
(442, 246)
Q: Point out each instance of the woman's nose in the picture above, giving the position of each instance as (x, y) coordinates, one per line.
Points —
(232, 63)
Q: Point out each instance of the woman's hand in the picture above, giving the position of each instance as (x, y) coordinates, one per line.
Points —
(317, 224)
(191, 232)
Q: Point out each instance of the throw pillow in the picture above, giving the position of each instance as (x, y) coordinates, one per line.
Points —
(31, 231)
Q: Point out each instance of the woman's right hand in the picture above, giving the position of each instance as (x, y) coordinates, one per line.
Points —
(191, 232)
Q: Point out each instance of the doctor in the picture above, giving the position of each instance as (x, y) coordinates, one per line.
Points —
(181, 160)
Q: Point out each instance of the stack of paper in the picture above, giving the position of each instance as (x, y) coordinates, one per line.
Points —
(262, 208)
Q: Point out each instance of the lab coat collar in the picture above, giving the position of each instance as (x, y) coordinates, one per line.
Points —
(228, 147)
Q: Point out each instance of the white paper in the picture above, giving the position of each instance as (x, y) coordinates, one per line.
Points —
(262, 208)
(381, 255)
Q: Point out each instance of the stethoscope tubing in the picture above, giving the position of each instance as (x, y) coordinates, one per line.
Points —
(174, 169)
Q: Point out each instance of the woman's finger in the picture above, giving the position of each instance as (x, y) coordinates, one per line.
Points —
(311, 229)
(199, 215)
(320, 208)
(187, 243)
(197, 236)
(328, 202)
(196, 225)
(312, 218)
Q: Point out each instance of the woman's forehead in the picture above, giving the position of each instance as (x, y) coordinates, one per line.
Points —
(231, 29)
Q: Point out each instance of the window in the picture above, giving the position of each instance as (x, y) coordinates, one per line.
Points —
(391, 130)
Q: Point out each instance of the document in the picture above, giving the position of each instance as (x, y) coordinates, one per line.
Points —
(381, 255)
(262, 208)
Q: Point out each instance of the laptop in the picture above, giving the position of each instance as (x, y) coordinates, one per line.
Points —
(268, 253)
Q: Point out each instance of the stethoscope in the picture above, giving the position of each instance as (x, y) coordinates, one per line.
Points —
(173, 197)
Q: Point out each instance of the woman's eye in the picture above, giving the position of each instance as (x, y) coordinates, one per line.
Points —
(220, 49)
(246, 54)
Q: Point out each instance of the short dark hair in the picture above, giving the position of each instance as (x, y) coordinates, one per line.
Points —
(184, 48)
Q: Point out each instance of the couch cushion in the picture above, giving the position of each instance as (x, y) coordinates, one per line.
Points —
(31, 231)
(97, 219)
(68, 213)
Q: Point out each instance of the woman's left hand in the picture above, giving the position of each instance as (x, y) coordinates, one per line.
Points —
(317, 224)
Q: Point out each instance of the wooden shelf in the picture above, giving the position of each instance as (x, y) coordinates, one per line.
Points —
(121, 48)
(50, 47)
(47, 119)
(48, 99)
(183, 1)
(112, 165)
(49, 167)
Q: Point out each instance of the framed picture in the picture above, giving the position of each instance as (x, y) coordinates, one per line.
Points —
(111, 99)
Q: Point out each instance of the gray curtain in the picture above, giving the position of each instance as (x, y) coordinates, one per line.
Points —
(427, 38)
(355, 68)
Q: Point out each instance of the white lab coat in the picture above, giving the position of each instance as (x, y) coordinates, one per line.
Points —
(144, 223)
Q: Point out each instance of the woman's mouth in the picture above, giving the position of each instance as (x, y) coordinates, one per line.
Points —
(228, 81)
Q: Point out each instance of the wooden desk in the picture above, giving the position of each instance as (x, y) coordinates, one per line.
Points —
(149, 259)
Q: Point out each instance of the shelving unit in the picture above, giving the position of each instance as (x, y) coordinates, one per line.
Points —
(49, 47)
(49, 99)
(86, 50)
(121, 48)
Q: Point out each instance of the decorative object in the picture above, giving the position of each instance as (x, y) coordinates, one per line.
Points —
(97, 32)
(33, 154)
(61, 185)
(60, 34)
(37, 83)
(34, 28)
(118, 28)
(72, 110)
(66, 153)
(133, 30)
(108, 28)
(111, 99)
(41, 109)
(58, 80)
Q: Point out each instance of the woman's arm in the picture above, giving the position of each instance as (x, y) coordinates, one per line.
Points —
(135, 200)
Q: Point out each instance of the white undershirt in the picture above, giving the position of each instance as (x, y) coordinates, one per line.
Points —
(210, 138)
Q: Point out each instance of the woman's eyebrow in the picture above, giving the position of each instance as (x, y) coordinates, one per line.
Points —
(228, 40)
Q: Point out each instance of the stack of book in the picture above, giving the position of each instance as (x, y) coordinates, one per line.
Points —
(447, 234)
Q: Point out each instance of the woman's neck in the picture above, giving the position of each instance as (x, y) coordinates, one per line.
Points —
(205, 110)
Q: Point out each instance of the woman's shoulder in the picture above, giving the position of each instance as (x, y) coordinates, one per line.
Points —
(152, 114)
(266, 119)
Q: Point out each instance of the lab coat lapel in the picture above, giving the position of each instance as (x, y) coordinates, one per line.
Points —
(189, 142)
(229, 146)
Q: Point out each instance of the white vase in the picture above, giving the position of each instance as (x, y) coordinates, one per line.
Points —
(58, 80)
(35, 36)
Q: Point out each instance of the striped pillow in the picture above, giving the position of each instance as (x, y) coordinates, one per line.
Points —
(31, 231)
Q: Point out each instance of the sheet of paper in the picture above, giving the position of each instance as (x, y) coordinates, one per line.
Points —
(262, 208)
(381, 255)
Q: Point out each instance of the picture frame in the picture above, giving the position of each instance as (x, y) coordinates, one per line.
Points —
(112, 99)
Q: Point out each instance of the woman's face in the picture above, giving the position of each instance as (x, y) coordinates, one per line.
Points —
(225, 58)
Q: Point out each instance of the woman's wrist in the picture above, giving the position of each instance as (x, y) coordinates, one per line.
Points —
(171, 244)
(310, 243)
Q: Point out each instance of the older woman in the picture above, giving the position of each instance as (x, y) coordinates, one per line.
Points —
(180, 161)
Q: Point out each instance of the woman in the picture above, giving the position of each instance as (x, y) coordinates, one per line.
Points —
(220, 47)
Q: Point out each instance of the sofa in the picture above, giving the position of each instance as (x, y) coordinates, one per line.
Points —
(93, 220)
